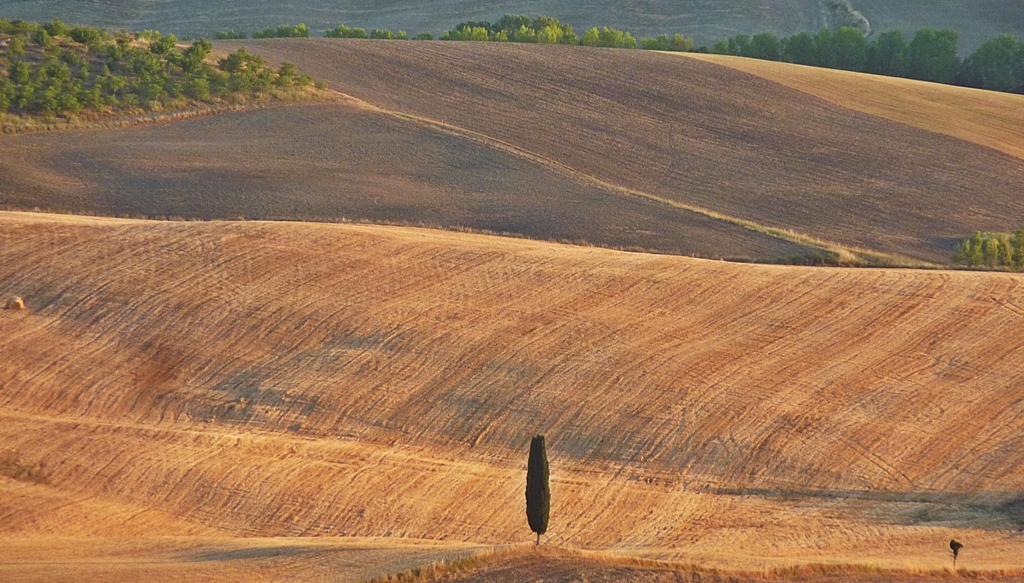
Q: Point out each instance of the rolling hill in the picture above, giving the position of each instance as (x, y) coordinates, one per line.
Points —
(345, 161)
(674, 155)
(705, 20)
(227, 382)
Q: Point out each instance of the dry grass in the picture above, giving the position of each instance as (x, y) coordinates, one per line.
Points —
(245, 379)
(211, 559)
(988, 118)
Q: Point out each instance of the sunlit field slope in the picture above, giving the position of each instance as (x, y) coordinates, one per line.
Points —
(692, 132)
(245, 379)
(705, 20)
(988, 118)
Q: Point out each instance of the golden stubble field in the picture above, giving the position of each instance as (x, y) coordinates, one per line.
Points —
(987, 118)
(284, 401)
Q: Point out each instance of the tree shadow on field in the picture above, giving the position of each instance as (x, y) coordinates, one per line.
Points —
(947, 244)
(974, 510)
(209, 555)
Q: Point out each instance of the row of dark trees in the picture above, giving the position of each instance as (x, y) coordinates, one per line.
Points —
(519, 28)
(42, 73)
(281, 31)
(931, 55)
(992, 250)
(547, 30)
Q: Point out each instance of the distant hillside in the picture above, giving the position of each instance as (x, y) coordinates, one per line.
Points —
(705, 20)
(692, 132)
(671, 156)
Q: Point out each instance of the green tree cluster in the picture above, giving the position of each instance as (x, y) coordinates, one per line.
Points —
(283, 31)
(113, 73)
(519, 28)
(992, 250)
(345, 31)
(931, 55)
(385, 34)
(609, 38)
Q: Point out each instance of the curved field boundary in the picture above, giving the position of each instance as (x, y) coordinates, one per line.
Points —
(345, 161)
(987, 118)
(843, 255)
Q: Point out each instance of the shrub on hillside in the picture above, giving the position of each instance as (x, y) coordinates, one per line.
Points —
(86, 35)
(16, 47)
(116, 73)
(56, 28)
(41, 37)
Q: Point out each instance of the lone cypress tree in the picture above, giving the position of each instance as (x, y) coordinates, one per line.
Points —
(538, 495)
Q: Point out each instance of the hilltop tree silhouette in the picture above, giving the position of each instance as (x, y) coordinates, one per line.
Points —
(955, 545)
(538, 495)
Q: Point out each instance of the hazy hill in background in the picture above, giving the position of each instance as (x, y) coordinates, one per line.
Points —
(704, 20)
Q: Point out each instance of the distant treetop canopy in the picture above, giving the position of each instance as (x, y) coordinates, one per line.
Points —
(55, 69)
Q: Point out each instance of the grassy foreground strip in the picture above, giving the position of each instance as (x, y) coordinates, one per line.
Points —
(825, 252)
(525, 560)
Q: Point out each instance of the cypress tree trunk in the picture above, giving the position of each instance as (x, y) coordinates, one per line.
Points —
(538, 495)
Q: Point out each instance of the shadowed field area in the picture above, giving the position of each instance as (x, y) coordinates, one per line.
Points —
(298, 380)
(335, 161)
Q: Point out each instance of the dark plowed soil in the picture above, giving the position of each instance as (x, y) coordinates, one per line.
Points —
(693, 132)
(331, 161)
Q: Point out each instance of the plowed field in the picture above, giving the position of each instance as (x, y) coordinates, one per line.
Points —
(335, 161)
(227, 381)
(692, 132)
(668, 154)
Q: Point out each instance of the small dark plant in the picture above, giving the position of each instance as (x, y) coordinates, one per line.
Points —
(955, 546)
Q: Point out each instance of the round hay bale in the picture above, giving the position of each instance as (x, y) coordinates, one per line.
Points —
(15, 303)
